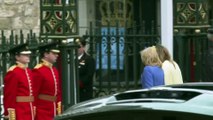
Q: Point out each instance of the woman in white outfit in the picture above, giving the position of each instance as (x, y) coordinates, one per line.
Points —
(172, 72)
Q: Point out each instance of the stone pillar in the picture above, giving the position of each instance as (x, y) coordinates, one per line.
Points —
(86, 14)
(82, 7)
(167, 24)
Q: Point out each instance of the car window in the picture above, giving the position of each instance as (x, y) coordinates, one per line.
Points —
(182, 95)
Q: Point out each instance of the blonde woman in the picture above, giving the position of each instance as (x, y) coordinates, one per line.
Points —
(172, 72)
(152, 74)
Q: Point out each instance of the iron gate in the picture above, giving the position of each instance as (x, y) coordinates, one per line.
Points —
(118, 62)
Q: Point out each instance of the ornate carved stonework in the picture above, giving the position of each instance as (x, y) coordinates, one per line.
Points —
(59, 18)
(113, 11)
(191, 13)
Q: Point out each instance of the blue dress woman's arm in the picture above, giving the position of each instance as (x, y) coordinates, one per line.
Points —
(146, 78)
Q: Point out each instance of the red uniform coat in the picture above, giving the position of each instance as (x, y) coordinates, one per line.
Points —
(18, 82)
(46, 82)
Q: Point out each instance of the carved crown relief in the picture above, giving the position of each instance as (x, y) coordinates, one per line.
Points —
(113, 11)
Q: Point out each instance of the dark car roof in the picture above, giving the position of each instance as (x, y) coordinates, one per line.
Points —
(177, 101)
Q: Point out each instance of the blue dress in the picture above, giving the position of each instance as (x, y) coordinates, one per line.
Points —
(152, 76)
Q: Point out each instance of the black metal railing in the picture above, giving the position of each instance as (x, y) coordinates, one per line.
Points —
(116, 51)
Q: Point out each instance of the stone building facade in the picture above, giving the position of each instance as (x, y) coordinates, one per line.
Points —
(19, 15)
(25, 15)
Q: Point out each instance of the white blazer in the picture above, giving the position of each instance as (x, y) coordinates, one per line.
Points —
(172, 73)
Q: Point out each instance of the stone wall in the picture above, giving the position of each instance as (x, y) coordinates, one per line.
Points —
(19, 14)
(25, 15)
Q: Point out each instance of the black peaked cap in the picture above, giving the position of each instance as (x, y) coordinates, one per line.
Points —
(20, 49)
